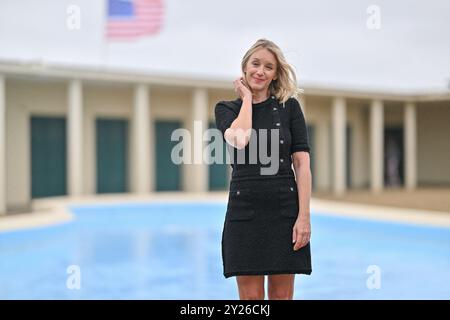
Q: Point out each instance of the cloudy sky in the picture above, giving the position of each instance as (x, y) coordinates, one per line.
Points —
(328, 42)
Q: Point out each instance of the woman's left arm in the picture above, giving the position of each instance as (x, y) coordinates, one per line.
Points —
(302, 227)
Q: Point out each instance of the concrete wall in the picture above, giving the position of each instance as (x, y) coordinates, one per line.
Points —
(105, 102)
(25, 98)
(433, 148)
(358, 120)
(318, 114)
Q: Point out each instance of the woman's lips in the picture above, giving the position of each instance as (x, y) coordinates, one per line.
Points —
(258, 80)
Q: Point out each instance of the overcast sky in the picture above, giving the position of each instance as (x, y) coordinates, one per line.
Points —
(328, 42)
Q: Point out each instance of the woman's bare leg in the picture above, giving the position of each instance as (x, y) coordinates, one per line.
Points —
(250, 287)
(281, 286)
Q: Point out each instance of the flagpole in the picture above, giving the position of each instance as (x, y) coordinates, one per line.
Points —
(104, 46)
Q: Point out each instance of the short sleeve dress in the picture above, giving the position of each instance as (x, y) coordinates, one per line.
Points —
(263, 207)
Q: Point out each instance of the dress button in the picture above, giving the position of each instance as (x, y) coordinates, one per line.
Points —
(292, 189)
(273, 97)
(281, 160)
(275, 109)
(281, 141)
(278, 124)
(238, 192)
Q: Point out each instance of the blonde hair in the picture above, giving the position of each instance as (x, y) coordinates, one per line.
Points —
(285, 86)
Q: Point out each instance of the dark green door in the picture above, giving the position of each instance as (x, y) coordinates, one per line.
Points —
(112, 155)
(167, 173)
(218, 173)
(48, 157)
(393, 161)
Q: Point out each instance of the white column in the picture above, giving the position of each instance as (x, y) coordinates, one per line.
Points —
(339, 147)
(410, 143)
(75, 138)
(376, 145)
(142, 160)
(2, 146)
(196, 174)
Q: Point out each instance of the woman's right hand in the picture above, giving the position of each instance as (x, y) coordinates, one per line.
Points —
(241, 88)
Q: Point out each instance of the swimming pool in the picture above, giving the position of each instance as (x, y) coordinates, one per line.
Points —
(172, 251)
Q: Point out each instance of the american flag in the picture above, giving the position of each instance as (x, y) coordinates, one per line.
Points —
(131, 19)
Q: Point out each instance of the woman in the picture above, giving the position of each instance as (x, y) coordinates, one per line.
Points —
(267, 223)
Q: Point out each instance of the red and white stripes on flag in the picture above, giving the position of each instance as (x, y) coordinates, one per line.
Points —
(131, 19)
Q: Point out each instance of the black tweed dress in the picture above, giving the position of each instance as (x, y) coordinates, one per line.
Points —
(262, 209)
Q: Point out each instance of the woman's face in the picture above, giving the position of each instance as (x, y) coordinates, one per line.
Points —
(261, 69)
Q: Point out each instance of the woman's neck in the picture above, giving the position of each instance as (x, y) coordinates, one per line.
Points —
(260, 97)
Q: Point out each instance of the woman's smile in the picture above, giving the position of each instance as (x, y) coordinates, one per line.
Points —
(258, 80)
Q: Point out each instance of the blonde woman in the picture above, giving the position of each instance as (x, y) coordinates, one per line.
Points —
(267, 226)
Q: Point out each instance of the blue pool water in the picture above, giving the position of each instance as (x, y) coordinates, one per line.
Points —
(172, 251)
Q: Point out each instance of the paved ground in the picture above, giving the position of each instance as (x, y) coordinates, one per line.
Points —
(423, 198)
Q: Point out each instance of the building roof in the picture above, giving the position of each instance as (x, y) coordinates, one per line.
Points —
(42, 70)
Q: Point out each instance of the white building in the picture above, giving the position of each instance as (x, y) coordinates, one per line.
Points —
(74, 131)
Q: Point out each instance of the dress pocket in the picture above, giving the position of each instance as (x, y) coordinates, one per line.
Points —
(240, 205)
(288, 199)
